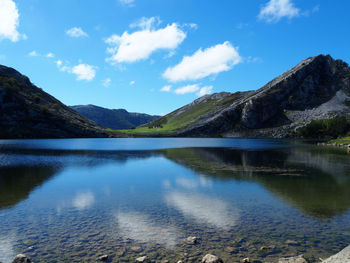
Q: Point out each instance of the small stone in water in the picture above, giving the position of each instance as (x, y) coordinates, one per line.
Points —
(208, 258)
(246, 260)
(267, 248)
(192, 240)
(292, 243)
(136, 249)
(298, 259)
(103, 258)
(141, 259)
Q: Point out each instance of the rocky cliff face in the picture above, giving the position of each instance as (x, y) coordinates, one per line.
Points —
(113, 118)
(316, 88)
(26, 111)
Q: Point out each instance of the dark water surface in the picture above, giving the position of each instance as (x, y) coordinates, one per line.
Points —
(75, 200)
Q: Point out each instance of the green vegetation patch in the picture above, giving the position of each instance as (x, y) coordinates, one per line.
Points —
(170, 123)
(326, 128)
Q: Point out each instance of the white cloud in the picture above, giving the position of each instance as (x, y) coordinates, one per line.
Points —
(9, 21)
(50, 55)
(59, 63)
(76, 32)
(166, 88)
(132, 82)
(33, 54)
(84, 72)
(203, 63)
(106, 82)
(204, 91)
(187, 89)
(274, 10)
(146, 23)
(127, 2)
(141, 44)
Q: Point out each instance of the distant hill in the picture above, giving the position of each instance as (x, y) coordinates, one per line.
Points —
(316, 88)
(26, 111)
(114, 119)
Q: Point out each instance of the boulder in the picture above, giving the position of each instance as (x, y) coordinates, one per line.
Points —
(20, 258)
(341, 257)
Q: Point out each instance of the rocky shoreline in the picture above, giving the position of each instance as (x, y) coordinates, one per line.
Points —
(342, 257)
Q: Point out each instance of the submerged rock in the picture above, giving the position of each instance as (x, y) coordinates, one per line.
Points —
(192, 240)
(292, 243)
(103, 258)
(20, 258)
(141, 259)
(297, 259)
(208, 258)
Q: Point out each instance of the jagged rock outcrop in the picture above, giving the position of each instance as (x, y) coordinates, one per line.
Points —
(316, 88)
(26, 111)
(113, 118)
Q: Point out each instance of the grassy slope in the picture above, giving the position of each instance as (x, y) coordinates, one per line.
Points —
(172, 122)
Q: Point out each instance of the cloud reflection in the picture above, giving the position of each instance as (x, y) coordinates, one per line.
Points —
(203, 209)
(6, 248)
(83, 200)
(144, 229)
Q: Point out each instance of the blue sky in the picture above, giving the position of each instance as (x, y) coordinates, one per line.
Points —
(155, 56)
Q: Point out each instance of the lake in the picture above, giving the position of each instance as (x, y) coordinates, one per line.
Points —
(73, 200)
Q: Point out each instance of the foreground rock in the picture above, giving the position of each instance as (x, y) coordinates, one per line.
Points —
(342, 257)
(208, 258)
(20, 258)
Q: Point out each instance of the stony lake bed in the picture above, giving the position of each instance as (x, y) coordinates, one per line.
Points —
(75, 200)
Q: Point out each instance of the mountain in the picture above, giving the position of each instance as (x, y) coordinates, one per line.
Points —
(316, 88)
(26, 111)
(114, 119)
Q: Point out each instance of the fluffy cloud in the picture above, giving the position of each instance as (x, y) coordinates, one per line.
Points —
(166, 88)
(84, 72)
(203, 63)
(33, 54)
(9, 21)
(187, 89)
(204, 91)
(50, 55)
(76, 32)
(127, 2)
(139, 45)
(132, 83)
(274, 10)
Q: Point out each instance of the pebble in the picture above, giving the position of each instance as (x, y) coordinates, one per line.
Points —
(292, 243)
(208, 258)
(141, 259)
(103, 258)
(297, 259)
(192, 240)
(136, 249)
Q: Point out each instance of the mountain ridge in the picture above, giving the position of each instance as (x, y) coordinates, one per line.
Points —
(27, 111)
(113, 118)
(316, 88)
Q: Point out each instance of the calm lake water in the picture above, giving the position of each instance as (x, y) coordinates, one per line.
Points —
(75, 200)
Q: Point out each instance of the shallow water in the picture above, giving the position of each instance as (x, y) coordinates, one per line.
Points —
(75, 200)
